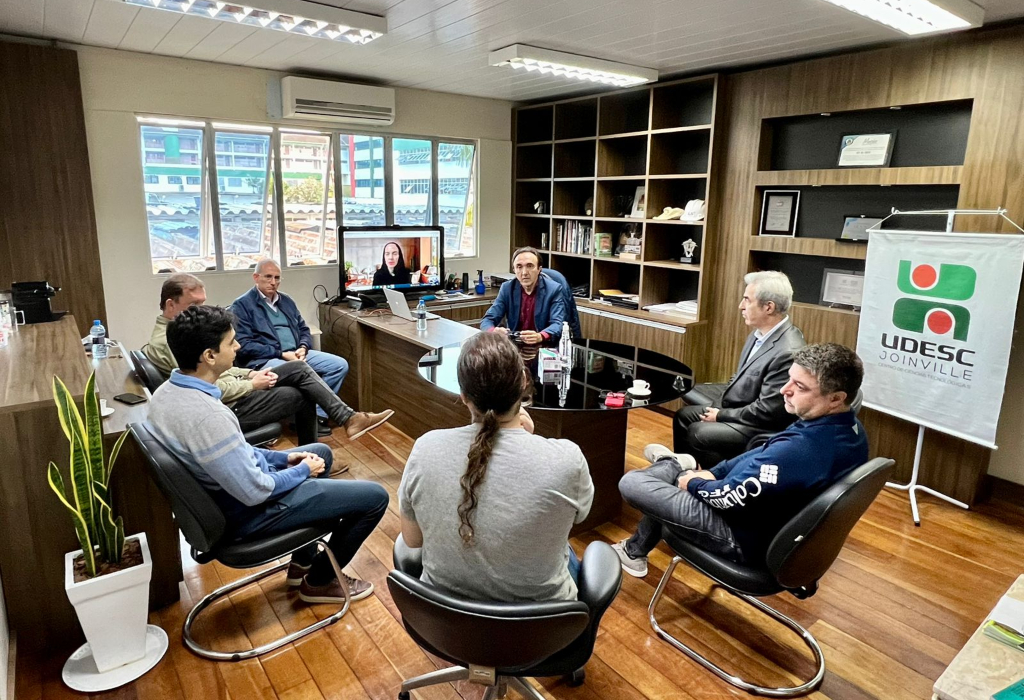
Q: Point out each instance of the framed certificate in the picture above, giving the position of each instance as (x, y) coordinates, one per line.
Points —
(866, 150)
(855, 228)
(778, 212)
(842, 289)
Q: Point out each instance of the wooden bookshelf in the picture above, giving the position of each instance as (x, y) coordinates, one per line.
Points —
(591, 154)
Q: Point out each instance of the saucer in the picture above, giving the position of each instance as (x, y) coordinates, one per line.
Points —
(108, 411)
(639, 393)
(80, 671)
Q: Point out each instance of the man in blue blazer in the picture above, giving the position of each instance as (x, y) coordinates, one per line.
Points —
(532, 304)
(271, 331)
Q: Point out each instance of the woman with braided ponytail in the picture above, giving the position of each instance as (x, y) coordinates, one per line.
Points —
(491, 504)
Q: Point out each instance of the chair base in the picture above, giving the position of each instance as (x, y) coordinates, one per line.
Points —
(241, 655)
(460, 673)
(809, 640)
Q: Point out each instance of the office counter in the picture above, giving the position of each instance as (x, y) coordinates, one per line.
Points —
(37, 528)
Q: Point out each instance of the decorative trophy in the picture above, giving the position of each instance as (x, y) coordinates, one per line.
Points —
(689, 248)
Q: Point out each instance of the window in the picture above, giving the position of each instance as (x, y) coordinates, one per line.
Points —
(411, 163)
(456, 166)
(214, 200)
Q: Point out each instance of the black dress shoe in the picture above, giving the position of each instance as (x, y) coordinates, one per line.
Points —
(322, 429)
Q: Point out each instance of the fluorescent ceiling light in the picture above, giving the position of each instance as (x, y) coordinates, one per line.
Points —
(915, 17)
(292, 16)
(530, 59)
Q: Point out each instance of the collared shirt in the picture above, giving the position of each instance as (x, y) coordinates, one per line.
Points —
(760, 337)
(527, 304)
(189, 381)
(272, 303)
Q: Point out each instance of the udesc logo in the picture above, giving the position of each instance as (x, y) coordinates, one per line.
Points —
(928, 312)
(948, 283)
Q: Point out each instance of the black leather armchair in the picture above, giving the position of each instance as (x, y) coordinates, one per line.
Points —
(798, 557)
(203, 524)
(151, 377)
(500, 644)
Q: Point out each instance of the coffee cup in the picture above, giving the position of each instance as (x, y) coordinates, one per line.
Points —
(103, 405)
(640, 386)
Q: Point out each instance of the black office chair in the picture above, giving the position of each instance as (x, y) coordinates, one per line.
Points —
(203, 524)
(500, 644)
(151, 377)
(798, 557)
(759, 440)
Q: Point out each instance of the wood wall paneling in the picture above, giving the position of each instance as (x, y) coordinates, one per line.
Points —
(47, 222)
(983, 66)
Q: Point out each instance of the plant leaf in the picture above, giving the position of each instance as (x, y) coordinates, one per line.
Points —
(93, 431)
(113, 457)
(82, 483)
(57, 485)
(105, 522)
(118, 541)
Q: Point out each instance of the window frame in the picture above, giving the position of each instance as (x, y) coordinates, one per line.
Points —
(210, 179)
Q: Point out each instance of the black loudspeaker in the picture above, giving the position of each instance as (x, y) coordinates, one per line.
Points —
(465, 282)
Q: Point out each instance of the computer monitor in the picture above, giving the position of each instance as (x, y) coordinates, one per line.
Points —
(396, 257)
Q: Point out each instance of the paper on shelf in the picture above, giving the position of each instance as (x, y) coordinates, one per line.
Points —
(1010, 612)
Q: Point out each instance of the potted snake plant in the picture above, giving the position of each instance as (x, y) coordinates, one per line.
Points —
(107, 580)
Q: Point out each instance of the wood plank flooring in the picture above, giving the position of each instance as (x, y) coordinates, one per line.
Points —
(890, 614)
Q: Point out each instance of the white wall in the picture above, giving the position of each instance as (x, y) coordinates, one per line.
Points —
(117, 85)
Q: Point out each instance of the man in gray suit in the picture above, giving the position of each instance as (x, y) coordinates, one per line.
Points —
(722, 418)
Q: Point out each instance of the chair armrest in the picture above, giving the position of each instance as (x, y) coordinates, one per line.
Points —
(600, 577)
(409, 560)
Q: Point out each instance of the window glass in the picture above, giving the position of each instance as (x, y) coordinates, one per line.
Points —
(411, 169)
(244, 197)
(456, 169)
(309, 209)
(174, 211)
(362, 180)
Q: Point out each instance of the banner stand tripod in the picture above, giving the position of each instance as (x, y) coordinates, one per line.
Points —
(912, 487)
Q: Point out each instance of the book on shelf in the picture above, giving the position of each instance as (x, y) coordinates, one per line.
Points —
(573, 237)
(682, 309)
(603, 244)
(619, 298)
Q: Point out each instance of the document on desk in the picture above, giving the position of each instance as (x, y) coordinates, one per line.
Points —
(1010, 612)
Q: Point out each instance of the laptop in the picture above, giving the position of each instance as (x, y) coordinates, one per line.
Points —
(400, 307)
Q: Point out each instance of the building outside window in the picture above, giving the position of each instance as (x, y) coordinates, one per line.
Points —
(245, 218)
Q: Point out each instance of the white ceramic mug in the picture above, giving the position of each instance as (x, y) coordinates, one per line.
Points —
(641, 386)
(103, 406)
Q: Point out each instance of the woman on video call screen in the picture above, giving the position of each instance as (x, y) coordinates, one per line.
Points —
(392, 269)
(391, 259)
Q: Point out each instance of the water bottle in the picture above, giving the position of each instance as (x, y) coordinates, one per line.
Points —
(99, 340)
(565, 346)
(421, 316)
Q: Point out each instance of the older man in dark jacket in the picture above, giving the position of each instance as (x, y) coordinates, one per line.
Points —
(722, 418)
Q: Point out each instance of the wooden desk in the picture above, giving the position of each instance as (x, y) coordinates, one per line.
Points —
(37, 528)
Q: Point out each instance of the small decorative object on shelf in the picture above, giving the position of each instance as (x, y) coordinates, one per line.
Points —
(540, 206)
(842, 289)
(588, 206)
(544, 240)
(603, 244)
(695, 211)
(629, 243)
(668, 214)
(866, 150)
(639, 202)
(689, 248)
(855, 228)
(622, 204)
(778, 212)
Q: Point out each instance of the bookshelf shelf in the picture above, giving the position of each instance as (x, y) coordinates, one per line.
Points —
(601, 150)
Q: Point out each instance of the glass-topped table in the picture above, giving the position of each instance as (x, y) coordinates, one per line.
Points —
(571, 405)
(598, 368)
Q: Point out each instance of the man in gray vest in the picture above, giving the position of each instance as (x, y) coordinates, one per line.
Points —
(722, 418)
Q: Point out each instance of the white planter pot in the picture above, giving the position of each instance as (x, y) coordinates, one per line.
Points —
(112, 609)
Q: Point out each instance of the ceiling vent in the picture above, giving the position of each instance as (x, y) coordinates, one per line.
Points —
(329, 101)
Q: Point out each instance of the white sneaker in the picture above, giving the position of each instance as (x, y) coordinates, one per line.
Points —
(633, 566)
(655, 452)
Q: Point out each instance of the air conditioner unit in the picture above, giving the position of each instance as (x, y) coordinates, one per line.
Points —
(329, 101)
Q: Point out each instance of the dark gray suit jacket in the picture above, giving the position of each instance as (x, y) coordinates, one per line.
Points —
(752, 396)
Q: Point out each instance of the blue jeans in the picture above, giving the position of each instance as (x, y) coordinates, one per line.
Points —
(574, 565)
(331, 368)
(354, 507)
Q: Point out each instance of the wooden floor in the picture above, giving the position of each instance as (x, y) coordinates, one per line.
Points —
(890, 614)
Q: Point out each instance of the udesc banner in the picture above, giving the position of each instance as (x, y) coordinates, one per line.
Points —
(935, 327)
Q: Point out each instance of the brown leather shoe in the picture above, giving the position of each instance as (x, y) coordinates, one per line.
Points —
(333, 591)
(362, 423)
(336, 469)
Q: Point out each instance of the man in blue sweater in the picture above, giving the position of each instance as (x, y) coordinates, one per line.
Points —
(271, 331)
(736, 508)
(260, 491)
